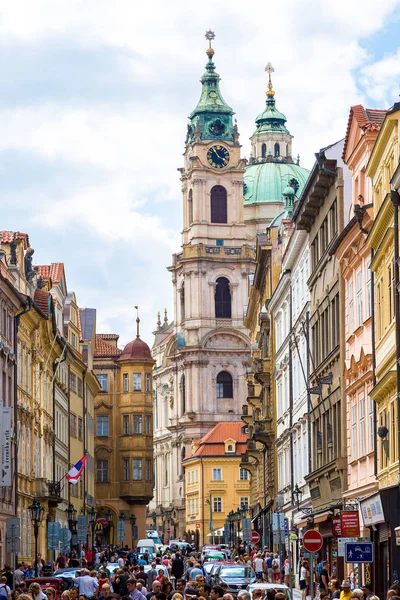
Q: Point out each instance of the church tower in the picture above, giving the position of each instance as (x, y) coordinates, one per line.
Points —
(200, 373)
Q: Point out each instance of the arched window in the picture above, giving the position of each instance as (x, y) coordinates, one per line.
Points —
(224, 385)
(277, 150)
(183, 393)
(222, 299)
(190, 207)
(219, 208)
(183, 301)
(264, 150)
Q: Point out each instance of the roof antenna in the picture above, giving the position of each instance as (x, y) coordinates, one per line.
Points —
(137, 322)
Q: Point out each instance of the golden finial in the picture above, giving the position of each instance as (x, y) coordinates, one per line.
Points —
(158, 320)
(165, 317)
(270, 69)
(137, 322)
(210, 35)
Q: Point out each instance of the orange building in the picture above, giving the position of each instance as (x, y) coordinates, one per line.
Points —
(124, 436)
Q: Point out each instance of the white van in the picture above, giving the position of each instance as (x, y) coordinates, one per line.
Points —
(148, 546)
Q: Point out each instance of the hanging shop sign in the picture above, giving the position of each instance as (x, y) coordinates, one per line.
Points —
(350, 523)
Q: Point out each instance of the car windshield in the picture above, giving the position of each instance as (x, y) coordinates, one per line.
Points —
(234, 572)
(208, 566)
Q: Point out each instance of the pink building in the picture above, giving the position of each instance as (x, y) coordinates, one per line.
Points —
(354, 256)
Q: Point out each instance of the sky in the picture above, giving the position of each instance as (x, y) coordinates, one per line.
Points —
(94, 99)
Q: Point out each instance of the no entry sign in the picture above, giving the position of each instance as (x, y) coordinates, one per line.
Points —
(312, 541)
(255, 537)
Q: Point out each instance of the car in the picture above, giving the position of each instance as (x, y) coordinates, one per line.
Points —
(111, 567)
(158, 567)
(213, 557)
(279, 587)
(68, 576)
(45, 582)
(235, 577)
(211, 568)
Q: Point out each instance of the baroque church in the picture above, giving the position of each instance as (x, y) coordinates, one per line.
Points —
(202, 356)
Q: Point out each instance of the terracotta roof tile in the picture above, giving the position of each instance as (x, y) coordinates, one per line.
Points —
(54, 271)
(11, 236)
(41, 298)
(109, 336)
(213, 443)
(367, 118)
(104, 350)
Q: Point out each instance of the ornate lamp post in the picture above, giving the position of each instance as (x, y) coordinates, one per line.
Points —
(154, 517)
(92, 521)
(132, 520)
(71, 513)
(36, 512)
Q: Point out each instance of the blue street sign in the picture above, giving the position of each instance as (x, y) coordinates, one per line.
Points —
(53, 535)
(359, 552)
(286, 527)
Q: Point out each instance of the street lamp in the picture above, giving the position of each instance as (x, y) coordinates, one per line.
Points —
(92, 521)
(154, 517)
(109, 516)
(297, 495)
(71, 513)
(36, 512)
(132, 520)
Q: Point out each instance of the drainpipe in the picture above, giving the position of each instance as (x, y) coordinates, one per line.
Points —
(373, 320)
(291, 388)
(395, 198)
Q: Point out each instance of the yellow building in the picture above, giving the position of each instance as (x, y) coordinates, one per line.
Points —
(124, 435)
(259, 413)
(215, 482)
(38, 349)
(382, 167)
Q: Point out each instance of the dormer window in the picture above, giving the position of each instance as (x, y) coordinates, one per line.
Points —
(230, 446)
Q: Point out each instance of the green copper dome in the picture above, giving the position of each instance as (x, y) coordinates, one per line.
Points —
(212, 117)
(266, 181)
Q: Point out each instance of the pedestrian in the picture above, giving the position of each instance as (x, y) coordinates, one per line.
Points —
(133, 592)
(268, 562)
(5, 591)
(368, 590)
(304, 579)
(19, 575)
(286, 572)
(36, 592)
(276, 569)
(258, 565)
(177, 567)
(87, 585)
(334, 588)
(346, 592)
(324, 577)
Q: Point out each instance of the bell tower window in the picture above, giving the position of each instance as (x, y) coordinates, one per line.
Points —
(277, 150)
(223, 303)
(224, 385)
(190, 207)
(264, 150)
(219, 209)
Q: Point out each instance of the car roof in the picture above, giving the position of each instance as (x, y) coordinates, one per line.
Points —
(269, 586)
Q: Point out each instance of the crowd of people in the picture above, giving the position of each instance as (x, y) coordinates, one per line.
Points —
(174, 576)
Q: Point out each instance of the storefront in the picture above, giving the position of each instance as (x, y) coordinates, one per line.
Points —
(381, 513)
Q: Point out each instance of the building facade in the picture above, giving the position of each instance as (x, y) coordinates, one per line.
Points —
(11, 304)
(382, 167)
(321, 212)
(124, 435)
(215, 484)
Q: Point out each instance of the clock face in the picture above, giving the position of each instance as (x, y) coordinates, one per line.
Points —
(218, 157)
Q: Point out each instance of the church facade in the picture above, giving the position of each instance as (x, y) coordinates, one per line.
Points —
(201, 357)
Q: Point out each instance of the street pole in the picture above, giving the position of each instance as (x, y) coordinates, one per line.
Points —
(211, 523)
(312, 576)
(36, 534)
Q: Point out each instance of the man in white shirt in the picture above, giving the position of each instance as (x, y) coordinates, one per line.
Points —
(87, 585)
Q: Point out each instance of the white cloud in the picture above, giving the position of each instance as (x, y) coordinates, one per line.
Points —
(135, 142)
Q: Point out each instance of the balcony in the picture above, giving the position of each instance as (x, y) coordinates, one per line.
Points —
(136, 492)
(48, 491)
(264, 432)
(253, 451)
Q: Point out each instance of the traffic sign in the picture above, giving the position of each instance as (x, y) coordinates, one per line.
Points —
(255, 537)
(197, 525)
(82, 529)
(53, 535)
(312, 540)
(13, 535)
(169, 530)
(359, 552)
